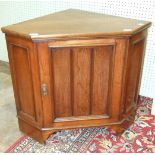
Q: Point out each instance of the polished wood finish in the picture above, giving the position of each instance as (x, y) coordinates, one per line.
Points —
(82, 71)
(74, 23)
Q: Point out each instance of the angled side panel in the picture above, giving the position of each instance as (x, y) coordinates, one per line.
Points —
(24, 71)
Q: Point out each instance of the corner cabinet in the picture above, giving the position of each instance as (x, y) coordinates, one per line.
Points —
(87, 75)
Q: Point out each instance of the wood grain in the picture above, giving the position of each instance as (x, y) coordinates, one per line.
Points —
(73, 23)
(22, 70)
(134, 72)
(62, 89)
(81, 63)
(102, 68)
(25, 79)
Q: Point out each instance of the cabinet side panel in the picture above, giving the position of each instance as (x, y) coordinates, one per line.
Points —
(140, 67)
(101, 79)
(22, 71)
(134, 70)
(25, 79)
(81, 71)
(61, 77)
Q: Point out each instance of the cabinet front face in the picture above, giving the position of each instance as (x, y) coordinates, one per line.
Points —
(82, 79)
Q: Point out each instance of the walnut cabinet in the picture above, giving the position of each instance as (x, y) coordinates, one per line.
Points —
(75, 69)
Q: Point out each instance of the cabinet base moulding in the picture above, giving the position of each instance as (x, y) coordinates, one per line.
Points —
(42, 134)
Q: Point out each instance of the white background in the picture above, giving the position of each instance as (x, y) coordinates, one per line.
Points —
(17, 11)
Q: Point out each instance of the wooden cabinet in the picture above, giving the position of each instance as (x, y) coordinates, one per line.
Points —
(75, 69)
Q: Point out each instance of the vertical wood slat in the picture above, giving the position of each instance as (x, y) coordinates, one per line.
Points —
(101, 79)
(81, 63)
(117, 78)
(62, 86)
(91, 78)
(72, 80)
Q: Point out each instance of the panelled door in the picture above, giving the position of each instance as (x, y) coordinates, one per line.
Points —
(84, 77)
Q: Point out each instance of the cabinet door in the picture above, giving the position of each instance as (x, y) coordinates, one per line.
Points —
(84, 77)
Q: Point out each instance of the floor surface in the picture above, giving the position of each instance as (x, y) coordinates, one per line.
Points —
(9, 131)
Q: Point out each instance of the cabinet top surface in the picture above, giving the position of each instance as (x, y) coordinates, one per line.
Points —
(76, 23)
